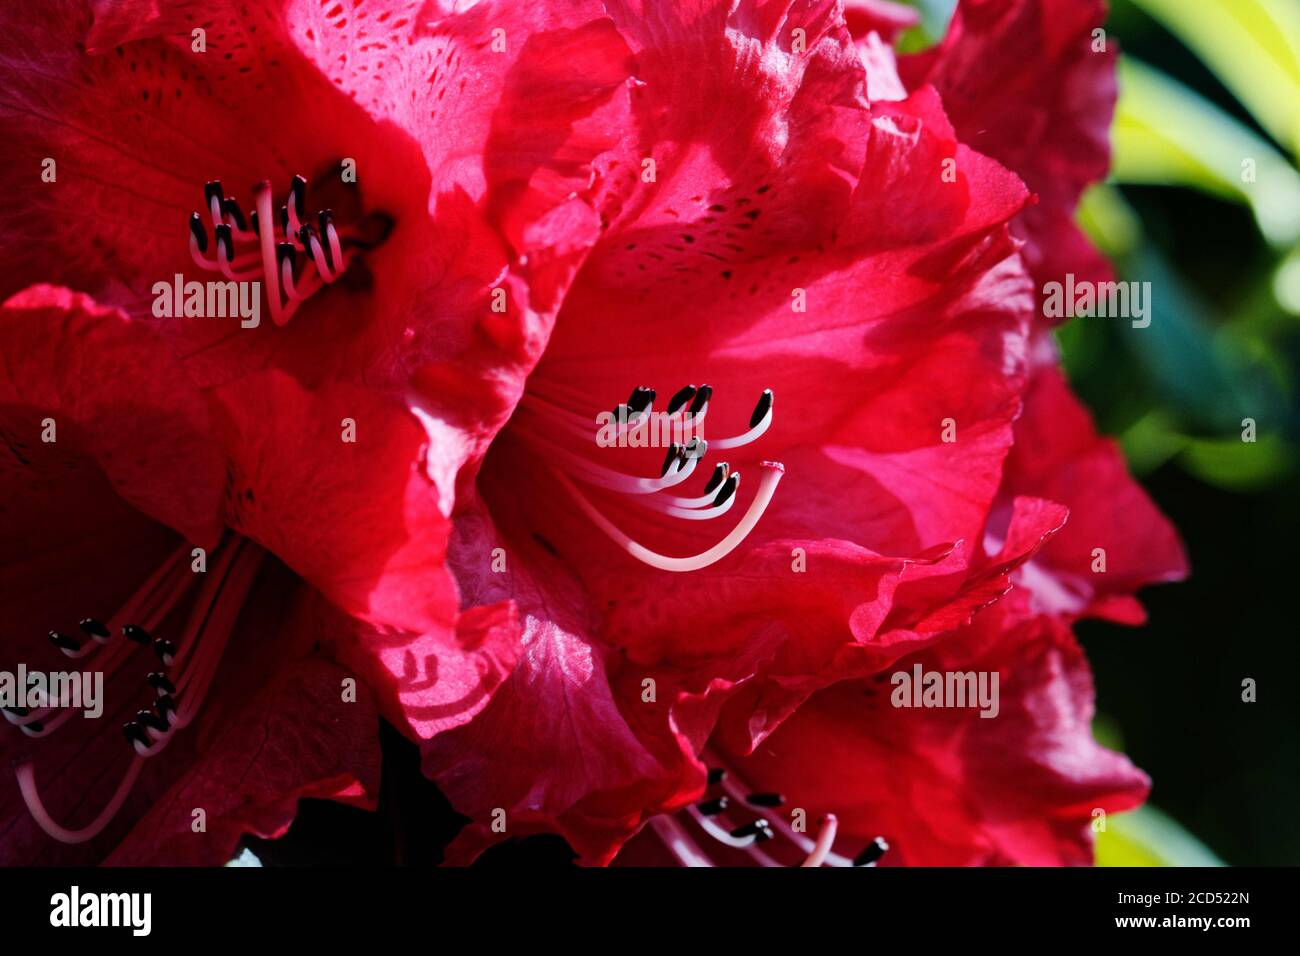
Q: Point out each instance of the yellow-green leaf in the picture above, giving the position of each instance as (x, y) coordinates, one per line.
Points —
(1165, 134)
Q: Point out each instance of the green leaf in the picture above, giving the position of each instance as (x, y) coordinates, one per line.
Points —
(1151, 441)
(1253, 47)
(1286, 282)
(1165, 134)
(1238, 465)
(1109, 220)
(935, 15)
(1147, 837)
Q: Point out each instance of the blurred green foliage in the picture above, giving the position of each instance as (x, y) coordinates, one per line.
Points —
(1210, 364)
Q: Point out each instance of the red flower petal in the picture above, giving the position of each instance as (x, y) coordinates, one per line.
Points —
(1059, 455)
(332, 483)
(295, 739)
(275, 726)
(1023, 84)
(429, 683)
(119, 403)
(947, 787)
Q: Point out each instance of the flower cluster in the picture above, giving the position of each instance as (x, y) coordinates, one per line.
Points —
(474, 228)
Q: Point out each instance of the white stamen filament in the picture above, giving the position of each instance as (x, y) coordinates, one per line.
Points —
(213, 584)
(133, 608)
(772, 473)
(26, 773)
(747, 843)
(587, 428)
(200, 258)
(754, 434)
(679, 842)
(237, 269)
(737, 792)
(318, 257)
(243, 235)
(611, 480)
(266, 229)
(825, 840)
(336, 246)
(703, 501)
(695, 512)
(212, 619)
(286, 281)
(593, 474)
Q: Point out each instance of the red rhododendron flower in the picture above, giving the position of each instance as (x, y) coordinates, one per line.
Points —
(113, 475)
(434, 194)
(916, 312)
(959, 791)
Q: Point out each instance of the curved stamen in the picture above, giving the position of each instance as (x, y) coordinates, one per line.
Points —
(679, 842)
(41, 724)
(210, 624)
(266, 239)
(641, 400)
(759, 422)
(876, 849)
(307, 236)
(680, 398)
(740, 838)
(26, 774)
(602, 477)
(825, 840)
(718, 504)
(144, 601)
(199, 243)
(234, 215)
(772, 473)
(673, 459)
(331, 234)
(297, 202)
(327, 252)
(212, 196)
(161, 683)
(70, 646)
(735, 789)
(721, 471)
(96, 630)
(700, 403)
(593, 474)
(229, 265)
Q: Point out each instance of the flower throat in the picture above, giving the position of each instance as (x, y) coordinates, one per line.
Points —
(292, 254)
(186, 666)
